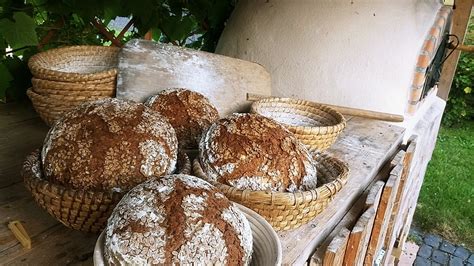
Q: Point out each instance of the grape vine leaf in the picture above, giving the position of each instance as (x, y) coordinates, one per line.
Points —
(21, 32)
(5, 79)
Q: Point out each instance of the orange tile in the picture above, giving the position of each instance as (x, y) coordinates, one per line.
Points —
(418, 79)
(423, 61)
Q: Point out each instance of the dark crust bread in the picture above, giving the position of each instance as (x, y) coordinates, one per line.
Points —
(109, 145)
(249, 151)
(177, 219)
(189, 112)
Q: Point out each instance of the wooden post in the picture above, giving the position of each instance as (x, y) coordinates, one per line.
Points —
(461, 15)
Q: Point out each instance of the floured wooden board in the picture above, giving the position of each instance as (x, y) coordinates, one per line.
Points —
(147, 67)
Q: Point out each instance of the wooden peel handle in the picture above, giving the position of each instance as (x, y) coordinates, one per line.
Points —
(344, 110)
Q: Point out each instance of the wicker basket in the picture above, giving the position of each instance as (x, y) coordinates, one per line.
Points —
(96, 64)
(52, 107)
(315, 125)
(81, 210)
(48, 87)
(286, 210)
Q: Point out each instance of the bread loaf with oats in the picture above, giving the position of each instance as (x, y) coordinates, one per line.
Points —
(174, 220)
(190, 113)
(108, 145)
(250, 151)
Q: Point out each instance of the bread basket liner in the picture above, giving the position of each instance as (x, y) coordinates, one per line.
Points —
(267, 248)
(318, 137)
(81, 210)
(289, 210)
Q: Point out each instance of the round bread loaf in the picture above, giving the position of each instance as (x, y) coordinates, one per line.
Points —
(189, 112)
(109, 145)
(250, 151)
(174, 220)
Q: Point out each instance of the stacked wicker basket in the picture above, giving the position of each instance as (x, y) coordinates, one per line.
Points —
(64, 78)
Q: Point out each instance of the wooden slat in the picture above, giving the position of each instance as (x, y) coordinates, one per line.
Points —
(334, 255)
(375, 193)
(383, 215)
(359, 238)
(397, 213)
(351, 217)
(366, 145)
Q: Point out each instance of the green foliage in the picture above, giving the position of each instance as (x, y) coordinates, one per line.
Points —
(27, 27)
(460, 105)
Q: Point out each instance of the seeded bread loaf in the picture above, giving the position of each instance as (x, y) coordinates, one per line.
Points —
(108, 145)
(177, 220)
(250, 151)
(189, 112)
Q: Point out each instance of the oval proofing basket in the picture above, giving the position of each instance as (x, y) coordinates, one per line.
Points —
(266, 243)
(315, 125)
(81, 210)
(287, 210)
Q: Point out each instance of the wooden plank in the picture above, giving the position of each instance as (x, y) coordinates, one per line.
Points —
(57, 246)
(16, 203)
(359, 238)
(390, 236)
(373, 198)
(366, 145)
(334, 255)
(460, 20)
(17, 140)
(147, 67)
(351, 217)
(383, 215)
(396, 219)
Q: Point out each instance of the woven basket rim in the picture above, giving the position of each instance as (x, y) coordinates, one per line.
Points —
(34, 159)
(38, 69)
(326, 190)
(298, 102)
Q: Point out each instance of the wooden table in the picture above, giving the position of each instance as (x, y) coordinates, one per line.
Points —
(366, 145)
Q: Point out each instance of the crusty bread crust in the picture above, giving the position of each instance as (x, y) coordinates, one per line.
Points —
(189, 112)
(174, 220)
(249, 151)
(108, 145)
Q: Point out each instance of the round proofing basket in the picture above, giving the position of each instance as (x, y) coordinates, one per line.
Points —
(48, 87)
(52, 107)
(81, 210)
(315, 125)
(287, 210)
(266, 244)
(76, 64)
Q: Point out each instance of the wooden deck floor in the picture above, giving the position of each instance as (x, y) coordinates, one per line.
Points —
(365, 145)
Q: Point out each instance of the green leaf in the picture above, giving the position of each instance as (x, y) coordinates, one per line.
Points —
(5, 79)
(20, 32)
(177, 29)
(468, 90)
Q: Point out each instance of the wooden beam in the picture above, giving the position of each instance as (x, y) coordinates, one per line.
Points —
(460, 20)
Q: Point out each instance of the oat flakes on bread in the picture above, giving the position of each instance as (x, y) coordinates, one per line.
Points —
(109, 144)
(189, 112)
(250, 151)
(174, 220)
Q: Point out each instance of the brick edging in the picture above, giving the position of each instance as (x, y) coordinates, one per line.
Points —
(426, 55)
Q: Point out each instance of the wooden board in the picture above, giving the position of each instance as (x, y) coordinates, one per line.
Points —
(349, 219)
(334, 255)
(397, 213)
(375, 193)
(359, 238)
(366, 145)
(147, 67)
(383, 215)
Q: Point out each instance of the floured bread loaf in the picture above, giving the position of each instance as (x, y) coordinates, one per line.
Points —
(189, 112)
(177, 220)
(250, 151)
(109, 144)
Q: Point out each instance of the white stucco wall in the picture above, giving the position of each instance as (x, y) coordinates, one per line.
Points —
(360, 54)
